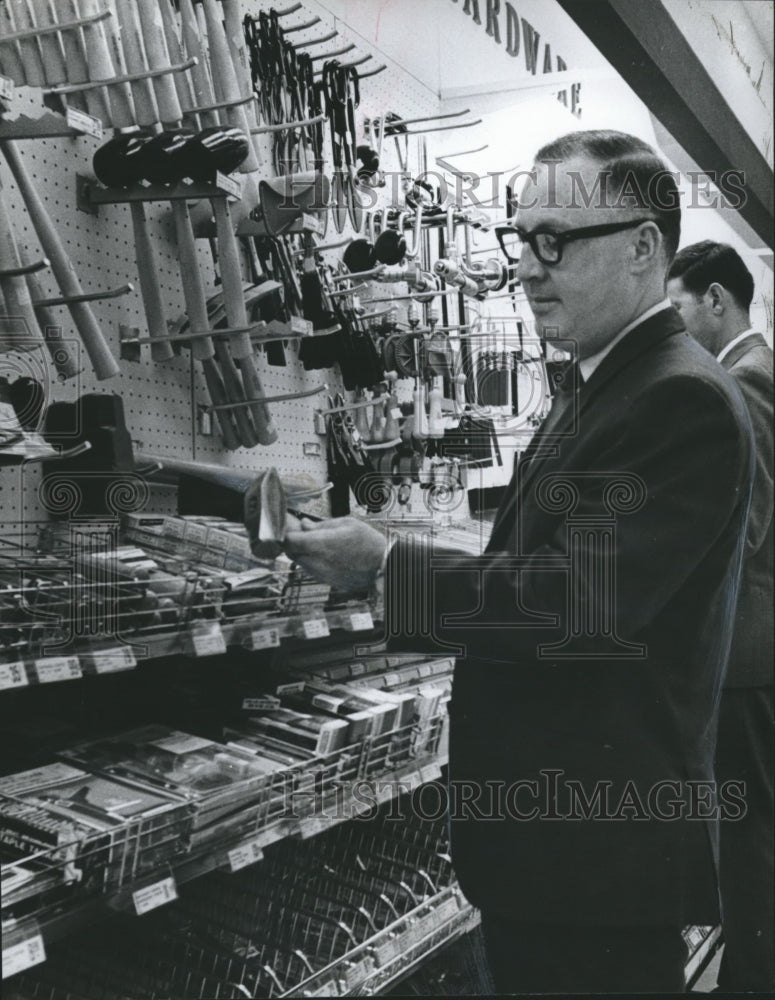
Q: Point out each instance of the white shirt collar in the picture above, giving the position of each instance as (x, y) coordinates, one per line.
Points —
(588, 365)
(733, 343)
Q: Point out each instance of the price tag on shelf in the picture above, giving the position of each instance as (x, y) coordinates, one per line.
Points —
(310, 223)
(385, 951)
(152, 896)
(396, 413)
(301, 326)
(58, 668)
(293, 687)
(244, 855)
(111, 661)
(208, 639)
(264, 638)
(231, 185)
(448, 909)
(13, 675)
(23, 955)
(355, 973)
(429, 773)
(328, 989)
(361, 621)
(86, 124)
(316, 628)
(260, 704)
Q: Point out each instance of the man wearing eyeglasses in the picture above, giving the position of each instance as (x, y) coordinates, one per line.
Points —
(593, 632)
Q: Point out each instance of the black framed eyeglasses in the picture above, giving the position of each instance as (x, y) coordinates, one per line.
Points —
(547, 244)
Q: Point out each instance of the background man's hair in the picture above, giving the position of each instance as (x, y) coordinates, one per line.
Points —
(632, 169)
(700, 264)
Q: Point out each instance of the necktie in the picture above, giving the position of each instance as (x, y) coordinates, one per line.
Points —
(567, 384)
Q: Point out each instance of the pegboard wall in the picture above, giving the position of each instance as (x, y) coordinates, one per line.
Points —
(161, 398)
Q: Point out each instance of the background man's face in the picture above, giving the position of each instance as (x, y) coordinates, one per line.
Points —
(587, 296)
(695, 312)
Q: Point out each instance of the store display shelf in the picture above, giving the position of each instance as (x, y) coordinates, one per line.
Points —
(299, 802)
(392, 953)
(703, 942)
(197, 638)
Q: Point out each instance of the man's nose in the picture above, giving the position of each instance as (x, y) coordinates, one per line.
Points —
(529, 265)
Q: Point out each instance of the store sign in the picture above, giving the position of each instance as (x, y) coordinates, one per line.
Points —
(503, 23)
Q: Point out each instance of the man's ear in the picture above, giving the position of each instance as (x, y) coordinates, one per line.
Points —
(645, 245)
(716, 295)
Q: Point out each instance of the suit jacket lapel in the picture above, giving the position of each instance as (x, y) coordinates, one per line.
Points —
(638, 341)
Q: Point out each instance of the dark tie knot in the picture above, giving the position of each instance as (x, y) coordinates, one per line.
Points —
(566, 378)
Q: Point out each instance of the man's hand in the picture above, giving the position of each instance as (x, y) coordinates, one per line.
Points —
(343, 552)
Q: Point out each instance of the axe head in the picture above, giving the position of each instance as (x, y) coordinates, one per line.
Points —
(284, 200)
(264, 514)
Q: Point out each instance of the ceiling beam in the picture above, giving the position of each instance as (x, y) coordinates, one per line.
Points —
(644, 45)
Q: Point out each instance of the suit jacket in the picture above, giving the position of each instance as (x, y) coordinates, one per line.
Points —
(752, 654)
(592, 637)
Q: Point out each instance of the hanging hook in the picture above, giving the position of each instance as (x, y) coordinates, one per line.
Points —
(336, 52)
(372, 72)
(317, 41)
(302, 27)
(414, 252)
(18, 272)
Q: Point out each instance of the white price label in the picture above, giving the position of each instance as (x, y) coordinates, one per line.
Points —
(110, 661)
(429, 773)
(81, 122)
(395, 412)
(58, 668)
(295, 687)
(310, 223)
(361, 621)
(181, 743)
(153, 896)
(13, 675)
(244, 855)
(301, 325)
(23, 955)
(231, 185)
(260, 704)
(208, 640)
(329, 989)
(316, 628)
(447, 910)
(264, 638)
(6, 88)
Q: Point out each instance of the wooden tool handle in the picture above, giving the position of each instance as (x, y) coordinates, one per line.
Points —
(158, 58)
(202, 348)
(75, 59)
(63, 358)
(18, 304)
(182, 80)
(100, 65)
(236, 315)
(225, 79)
(200, 74)
(150, 288)
(105, 365)
(132, 48)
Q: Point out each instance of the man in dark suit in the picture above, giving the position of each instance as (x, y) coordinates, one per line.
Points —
(711, 287)
(593, 632)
